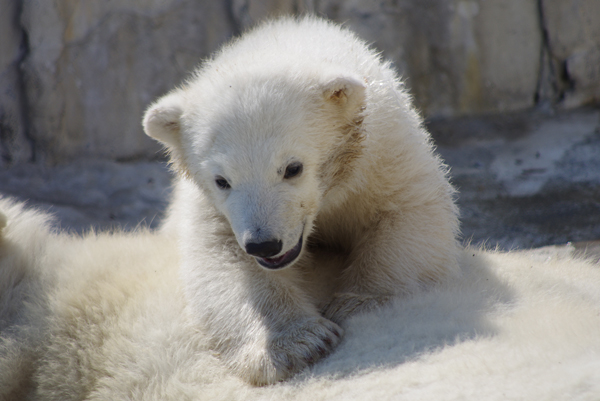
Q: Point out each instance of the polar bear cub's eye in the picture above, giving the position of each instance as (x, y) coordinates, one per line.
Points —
(222, 183)
(293, 169)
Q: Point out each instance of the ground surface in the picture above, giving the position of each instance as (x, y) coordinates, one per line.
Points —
(524, 180)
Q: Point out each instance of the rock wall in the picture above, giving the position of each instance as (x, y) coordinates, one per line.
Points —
(76, 75)
(93, 66)
(15, 147)
(572, 30)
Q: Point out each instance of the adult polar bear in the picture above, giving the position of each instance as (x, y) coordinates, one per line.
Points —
(329, 161)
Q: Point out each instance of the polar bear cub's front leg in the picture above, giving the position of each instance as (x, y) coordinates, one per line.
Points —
(281, 351)
(284, 334)
(262, 326)
(395, 257)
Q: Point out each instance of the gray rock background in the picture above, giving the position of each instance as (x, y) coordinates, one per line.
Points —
(510, 90)
(525, 179)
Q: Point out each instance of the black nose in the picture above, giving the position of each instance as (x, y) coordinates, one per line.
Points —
(265, 249)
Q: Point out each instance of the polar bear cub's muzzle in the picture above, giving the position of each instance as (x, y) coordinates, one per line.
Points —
(268, 253)
(272, 251)
(266, 225)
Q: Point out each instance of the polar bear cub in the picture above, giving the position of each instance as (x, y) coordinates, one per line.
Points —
(308, 190)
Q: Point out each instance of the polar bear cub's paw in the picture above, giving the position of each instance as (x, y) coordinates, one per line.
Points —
(292, 350)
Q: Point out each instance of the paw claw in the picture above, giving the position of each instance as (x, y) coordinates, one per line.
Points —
(293, 351)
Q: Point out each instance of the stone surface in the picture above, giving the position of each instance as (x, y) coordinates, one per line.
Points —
(14, 146)
(93, 67)
(247, 13)
(573, 29)
(525, 180)
(99, 194)
(76, 76)
(460, 56)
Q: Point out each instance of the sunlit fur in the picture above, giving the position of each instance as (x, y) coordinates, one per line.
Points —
(104, 318)
(185, 313)
(373, 203)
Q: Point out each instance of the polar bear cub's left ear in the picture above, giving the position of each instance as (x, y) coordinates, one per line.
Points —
(162, 120)
(347, 93)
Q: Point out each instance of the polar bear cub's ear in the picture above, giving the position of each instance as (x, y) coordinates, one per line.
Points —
(162, 120)
(347, 93)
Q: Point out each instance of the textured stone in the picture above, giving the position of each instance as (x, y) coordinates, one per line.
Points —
(75, 76)
(246, 13)
(525, 179)
(460, 56)
(99, 194)
(94, 66)
(14, 147)
(573, 29)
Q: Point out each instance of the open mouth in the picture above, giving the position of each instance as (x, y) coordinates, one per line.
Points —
(283, 260)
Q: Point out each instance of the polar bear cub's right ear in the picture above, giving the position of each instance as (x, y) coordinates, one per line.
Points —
(162, 120)
(346, 93)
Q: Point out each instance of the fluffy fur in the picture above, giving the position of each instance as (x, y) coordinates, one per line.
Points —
(113, 325)
(370, 212)
(307, 192)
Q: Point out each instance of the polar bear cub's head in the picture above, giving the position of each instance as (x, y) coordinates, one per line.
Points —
(264, 151)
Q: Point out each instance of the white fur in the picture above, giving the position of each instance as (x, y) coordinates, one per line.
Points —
(186, 313)
(372, 207)
(113, 325)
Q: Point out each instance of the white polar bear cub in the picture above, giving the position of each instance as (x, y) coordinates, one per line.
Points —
(308, 190)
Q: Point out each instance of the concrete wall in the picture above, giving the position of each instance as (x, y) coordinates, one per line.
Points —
(76, 75)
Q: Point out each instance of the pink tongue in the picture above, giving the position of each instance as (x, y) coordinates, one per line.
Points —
(281, 259)
(277, 259)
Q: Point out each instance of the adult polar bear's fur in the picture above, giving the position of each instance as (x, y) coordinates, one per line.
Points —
(298, 143)
(104, 318)
(139, 315)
